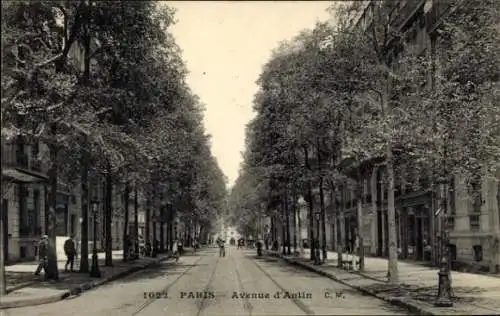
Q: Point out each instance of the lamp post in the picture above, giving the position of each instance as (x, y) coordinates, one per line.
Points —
(79, 242)
(444, 285)
(302, 204)
(317, 259)
(94, 271)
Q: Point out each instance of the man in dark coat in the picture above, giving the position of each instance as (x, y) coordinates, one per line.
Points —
(70, 251)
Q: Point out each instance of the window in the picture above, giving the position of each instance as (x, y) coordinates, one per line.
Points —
(476, 195)
(474, 223)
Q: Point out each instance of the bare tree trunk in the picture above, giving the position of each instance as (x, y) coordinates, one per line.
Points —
(272, 233)
(294, 214)
(341, 240)
(392, 271)
(323, 219)
(283, 227)
(359, 218)
(287, 218)
(108, 261)
(3, 281)
(52, 271)
(126, 221)
(153, 239)
(496, 241)
(322, 202)
(85, 162)
(167, 236)
(136, 223)
(311, 208)
(148, 232)
(162, 230)
(84, 240)
(102, 186)
(299, 225)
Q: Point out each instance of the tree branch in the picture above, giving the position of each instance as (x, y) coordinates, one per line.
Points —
(65, 22)
(69, 42)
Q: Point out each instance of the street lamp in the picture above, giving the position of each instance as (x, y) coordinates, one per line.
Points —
(302, 204)
(94, 271)
(317, 259)
(444, 285)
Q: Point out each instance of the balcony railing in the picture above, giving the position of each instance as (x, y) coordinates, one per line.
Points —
(14, 157)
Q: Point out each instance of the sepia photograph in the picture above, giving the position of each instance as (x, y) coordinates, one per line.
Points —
(250, 158)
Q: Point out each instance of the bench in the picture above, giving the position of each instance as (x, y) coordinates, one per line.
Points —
(349, 264)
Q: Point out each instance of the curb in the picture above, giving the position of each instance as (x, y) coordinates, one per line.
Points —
(78, 289)
(411, 305)
(20, 286)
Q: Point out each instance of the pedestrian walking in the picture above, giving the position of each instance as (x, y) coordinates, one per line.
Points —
(70, 251)
(175, 250)
(43, 251)
(195, 244)
(222, 250)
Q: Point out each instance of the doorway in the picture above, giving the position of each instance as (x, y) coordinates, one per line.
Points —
(232, 242)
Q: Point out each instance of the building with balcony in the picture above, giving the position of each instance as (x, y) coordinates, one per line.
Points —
(24, 176)
(419, 220)
(25, 164)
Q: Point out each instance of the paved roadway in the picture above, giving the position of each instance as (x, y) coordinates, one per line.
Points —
(204, 284)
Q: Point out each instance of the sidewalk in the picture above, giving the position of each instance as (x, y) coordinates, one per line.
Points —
(473, 294)
(22, 274)
(26, 289)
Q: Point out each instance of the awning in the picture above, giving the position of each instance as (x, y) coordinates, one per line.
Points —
(24, 176)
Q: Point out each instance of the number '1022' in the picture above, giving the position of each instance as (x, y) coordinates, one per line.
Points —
(155, 295)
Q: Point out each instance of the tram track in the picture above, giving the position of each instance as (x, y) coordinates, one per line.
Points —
(247, 306)
(295, 301)
(150, 301)
(201, 303)
(208, 288)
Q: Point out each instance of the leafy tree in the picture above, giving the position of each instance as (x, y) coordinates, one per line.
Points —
(461, 140)
(136, 68)
(39, 91)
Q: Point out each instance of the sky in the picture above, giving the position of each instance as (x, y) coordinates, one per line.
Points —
(225, 44)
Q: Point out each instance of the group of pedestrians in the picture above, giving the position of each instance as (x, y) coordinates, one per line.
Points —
(44, 249)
